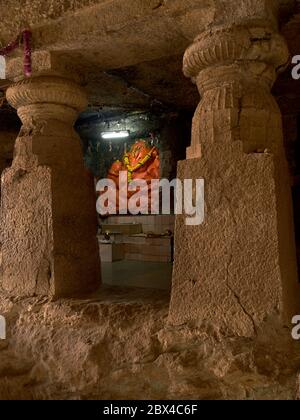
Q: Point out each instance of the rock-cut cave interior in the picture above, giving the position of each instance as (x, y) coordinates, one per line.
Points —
(106, 296)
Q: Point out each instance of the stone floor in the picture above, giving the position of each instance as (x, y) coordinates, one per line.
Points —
(118, 344)
(138, 274)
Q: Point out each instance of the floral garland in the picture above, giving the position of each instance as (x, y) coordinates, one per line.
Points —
(142, 162)
(25, 39)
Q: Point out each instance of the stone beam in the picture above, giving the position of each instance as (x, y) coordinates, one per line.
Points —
(44, 63)
(116, 33)
(124, 33)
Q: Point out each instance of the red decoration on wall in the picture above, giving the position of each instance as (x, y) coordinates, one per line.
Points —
(10, 47)
(25, 38)
(27, 52)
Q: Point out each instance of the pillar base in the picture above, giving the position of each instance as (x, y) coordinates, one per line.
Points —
(242, 266)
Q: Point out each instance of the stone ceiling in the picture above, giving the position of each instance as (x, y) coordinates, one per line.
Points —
(130, 52)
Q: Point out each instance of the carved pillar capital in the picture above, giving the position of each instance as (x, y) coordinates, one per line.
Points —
(238, 46)
(47, 97)
(234, 69)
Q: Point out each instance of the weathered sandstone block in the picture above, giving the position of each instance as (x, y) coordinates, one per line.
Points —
(48, 223)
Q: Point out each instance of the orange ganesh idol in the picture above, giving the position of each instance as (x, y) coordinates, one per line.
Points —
(141, 162)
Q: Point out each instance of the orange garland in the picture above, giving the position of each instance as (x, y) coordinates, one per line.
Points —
(132, 169)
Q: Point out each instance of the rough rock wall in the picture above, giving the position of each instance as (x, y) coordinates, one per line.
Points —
(19, 13)
(117, 345)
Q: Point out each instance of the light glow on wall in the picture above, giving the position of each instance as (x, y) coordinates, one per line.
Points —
(109, 135)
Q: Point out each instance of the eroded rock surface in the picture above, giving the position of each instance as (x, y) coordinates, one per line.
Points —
(117, 345)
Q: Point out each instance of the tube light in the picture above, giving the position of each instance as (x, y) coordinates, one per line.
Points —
(115, 135)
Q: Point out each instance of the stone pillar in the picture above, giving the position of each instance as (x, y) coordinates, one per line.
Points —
(48, 210)
(241, 261)
(9, 127)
